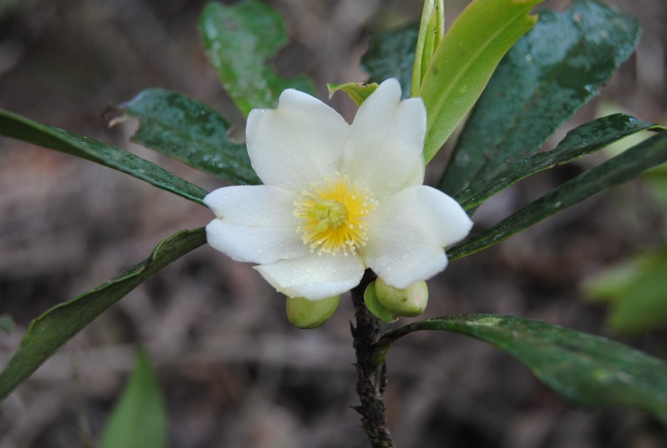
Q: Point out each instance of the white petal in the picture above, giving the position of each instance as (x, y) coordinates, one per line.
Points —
(301, 141)
(408, 232)
(385, 148)
(314, 276)
(254, 223)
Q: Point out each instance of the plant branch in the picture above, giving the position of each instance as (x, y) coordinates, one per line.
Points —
(371, 378)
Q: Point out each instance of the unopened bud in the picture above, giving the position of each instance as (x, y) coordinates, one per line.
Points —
(375, 307)
(408, 302)
(304, 313)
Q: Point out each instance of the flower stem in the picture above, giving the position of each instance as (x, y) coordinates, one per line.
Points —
(371, 378)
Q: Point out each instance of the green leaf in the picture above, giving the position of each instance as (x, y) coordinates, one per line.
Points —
(637, 293)
(180, 127)
(545, 78)
(621, 168)
(239, 40)
(466, 59)
(586, 370)
(656, 179)
(140, 418)
(391, 54)
(21, 128)
(53, 329)
(585, 139)
(610, 284)
(358, 91)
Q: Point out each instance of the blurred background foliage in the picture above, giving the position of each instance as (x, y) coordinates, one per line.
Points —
(233, 371)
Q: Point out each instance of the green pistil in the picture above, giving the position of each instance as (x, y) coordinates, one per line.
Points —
(329, 215)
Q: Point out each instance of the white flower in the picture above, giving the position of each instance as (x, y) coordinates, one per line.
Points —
(337, 198)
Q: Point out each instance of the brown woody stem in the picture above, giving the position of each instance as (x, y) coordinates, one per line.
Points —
(371, 378)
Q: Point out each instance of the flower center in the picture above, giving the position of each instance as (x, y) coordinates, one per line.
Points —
(331, 214)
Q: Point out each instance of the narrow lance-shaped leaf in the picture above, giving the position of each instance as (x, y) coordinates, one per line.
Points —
(650, 153)
(585, 139)
(545, 78)
(53, 329)
(139, 420)
(585, 370)
(239, 40)
(180, 127)
(21, 128)
(466, 59)
(431, 31)
(391, 54)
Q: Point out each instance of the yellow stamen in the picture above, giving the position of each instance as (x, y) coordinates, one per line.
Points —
(332, 215)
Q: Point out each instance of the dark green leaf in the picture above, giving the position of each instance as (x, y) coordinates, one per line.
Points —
(180, 127)
(50, 331)
(585, 370)
(239, 40)
(391, 54)
(650, 153)
(140, 418)
(548, 75)
(15, 126)
(585, 139)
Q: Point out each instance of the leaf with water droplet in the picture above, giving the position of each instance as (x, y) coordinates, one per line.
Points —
(585, 139)
(527, 99)
(190, 131)
(21, 128)
(240, 40)
(584, 369)
(648, 154)
(391, 54)
(467, 57)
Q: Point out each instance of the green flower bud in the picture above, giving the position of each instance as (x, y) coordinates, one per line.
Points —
(304, 313)
(408, 302)
(375, 307)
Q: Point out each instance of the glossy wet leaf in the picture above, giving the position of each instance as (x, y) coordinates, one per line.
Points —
(465, 60)
(239, 41)
(585, 139)
(139, 420)
(634, 161)
(21, 128)
(53, 329)
(545, 78)
(586, 370)
(180, 127)
(391, 54)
